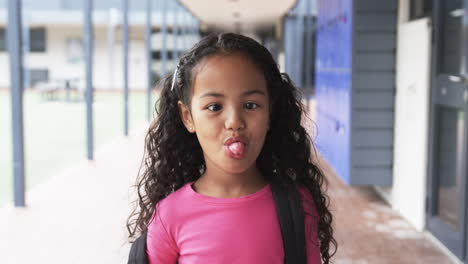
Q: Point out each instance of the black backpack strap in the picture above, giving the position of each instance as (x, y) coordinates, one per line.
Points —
(290, 217)
(286, 222)
(295, 202)
(138, 251)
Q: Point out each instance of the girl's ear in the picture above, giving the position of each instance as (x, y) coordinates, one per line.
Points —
(186, 116)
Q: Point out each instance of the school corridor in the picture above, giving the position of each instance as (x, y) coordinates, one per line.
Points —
(387, 84)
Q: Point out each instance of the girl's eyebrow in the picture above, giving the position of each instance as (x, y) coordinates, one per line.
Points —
(254, 92)
(211, 94)
(218, 95)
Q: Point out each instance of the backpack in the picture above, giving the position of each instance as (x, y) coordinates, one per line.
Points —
(289, 210)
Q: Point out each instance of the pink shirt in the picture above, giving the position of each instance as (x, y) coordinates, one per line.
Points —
(193, 228)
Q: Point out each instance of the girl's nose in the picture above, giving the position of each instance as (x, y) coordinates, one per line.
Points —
(235, 120)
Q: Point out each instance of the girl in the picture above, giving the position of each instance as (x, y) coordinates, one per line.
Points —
(228, 124)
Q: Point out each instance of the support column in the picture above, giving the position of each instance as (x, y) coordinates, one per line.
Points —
(88, 37)
(16, 82)
(125, 62)
(149, 60)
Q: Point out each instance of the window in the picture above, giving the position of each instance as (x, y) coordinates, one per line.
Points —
(74, 50)
(157, 54)
(38, 75)
(37, 39)
(450, 42)
(420, 8)
(2, 39)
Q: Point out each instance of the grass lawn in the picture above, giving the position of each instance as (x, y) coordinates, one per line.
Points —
(55, 132)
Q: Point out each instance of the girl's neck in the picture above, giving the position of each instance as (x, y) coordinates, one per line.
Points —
(222, 185)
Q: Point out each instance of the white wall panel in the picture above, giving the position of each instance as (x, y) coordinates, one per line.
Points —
(412, 120)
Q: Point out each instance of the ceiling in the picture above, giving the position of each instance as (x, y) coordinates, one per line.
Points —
(238, 15)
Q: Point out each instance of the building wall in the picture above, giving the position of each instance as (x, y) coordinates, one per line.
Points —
(61, 65)
(298, 30)
(355, 82)
(373, 81)
(333, 83)
(63, 20)
(412, 118)
(78, 5)
(4, 70)
(57, 58)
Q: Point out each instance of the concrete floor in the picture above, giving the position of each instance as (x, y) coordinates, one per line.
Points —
(369, 231)
(78, 215)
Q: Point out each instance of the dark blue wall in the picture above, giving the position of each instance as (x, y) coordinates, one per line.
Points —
(355, 82)
(333, 83)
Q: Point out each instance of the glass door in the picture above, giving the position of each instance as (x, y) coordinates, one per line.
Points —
(447, 185)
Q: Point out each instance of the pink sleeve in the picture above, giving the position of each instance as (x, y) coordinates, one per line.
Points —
(310, 226)
(160, 245)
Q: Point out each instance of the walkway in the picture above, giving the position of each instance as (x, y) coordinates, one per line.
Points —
(369, 231)
(79, 215)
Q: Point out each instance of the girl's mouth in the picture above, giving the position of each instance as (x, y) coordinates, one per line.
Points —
(235, 148)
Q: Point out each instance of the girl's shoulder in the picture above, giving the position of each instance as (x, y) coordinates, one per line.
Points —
(174, 200)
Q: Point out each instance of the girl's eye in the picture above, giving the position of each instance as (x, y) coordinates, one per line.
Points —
(251, 106)
(214, 107)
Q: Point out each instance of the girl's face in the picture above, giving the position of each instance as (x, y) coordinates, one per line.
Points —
(229, 112)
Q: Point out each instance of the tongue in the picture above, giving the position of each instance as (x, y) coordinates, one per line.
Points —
(237, 148)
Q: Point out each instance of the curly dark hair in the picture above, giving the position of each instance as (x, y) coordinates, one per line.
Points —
(173, 156)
